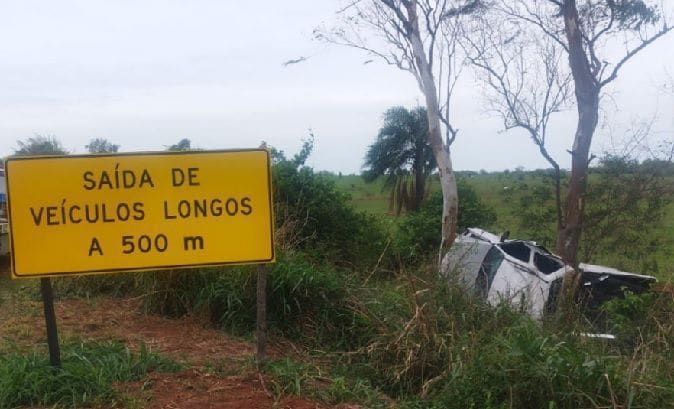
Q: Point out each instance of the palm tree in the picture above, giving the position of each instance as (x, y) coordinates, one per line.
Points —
(402, 154)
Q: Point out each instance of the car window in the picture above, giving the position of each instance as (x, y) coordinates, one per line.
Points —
(518, 250)
(492, 262)
(546, 264)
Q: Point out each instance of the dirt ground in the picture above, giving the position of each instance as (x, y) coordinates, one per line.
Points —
(220, 369)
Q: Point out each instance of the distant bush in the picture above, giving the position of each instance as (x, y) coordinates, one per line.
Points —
(419, 233)
(626, 203)
(531, 203)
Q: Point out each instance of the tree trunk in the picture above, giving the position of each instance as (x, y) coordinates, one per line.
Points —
(587, 99)
(450, 201)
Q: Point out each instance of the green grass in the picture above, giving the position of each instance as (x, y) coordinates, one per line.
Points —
(331, 385)
(89, 371)
(371, 198)
(491, 186)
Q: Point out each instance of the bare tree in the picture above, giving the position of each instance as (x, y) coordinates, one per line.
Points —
(587, 32)
(525, 82)
(420, 37)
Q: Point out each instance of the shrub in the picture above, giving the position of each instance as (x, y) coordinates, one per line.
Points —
(304, 301)
(625, 203)
(322, 220)
(422, 325)
(92, 285)
(639, 317)
(419, 232)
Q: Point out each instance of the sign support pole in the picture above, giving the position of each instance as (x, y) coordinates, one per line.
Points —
(50, 319)
(261, 327)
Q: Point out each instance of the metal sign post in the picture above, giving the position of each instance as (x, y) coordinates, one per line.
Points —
(261, 327)
(50, 319)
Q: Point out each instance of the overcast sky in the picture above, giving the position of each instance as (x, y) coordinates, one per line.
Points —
(145, 74)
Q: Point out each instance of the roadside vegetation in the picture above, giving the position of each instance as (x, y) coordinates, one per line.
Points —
(356, 293)
(355, 303)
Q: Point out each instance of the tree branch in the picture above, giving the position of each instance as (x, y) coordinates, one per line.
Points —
(632, 53)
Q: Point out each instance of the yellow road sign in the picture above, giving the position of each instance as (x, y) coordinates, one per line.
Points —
(108, 213)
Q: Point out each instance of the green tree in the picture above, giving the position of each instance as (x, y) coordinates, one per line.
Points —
(101, 145)
(626, 203)
(183, 145)
(40, 145)
(314, 216)
(403, 156)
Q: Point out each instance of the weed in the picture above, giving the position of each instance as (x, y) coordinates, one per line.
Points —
(291, 377)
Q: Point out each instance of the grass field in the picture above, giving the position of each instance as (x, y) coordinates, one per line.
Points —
(371, 197)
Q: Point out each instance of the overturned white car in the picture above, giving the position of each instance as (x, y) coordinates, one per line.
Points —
(528, 275)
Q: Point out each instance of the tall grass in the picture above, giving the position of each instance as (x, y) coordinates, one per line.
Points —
(431, 344)
(427, 342)
(88, 373)
(307, 302)
(449, 350)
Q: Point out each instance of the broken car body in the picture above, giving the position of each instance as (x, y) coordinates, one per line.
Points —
(528, 275)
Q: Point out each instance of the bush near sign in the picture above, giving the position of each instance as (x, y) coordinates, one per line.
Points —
(107, 213)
